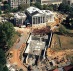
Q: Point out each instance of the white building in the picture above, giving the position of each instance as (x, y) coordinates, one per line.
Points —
(16, 3)
(37, 16)
(48, 2)
(19, 18)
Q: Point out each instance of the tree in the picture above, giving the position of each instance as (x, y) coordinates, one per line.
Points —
(71, 14)
(9, 29)
(0, 12)
(69, 20)
(1, 67)
(2, 57)
(0, 0)
(6, 33)
(7, 8)
(14, 10)
(23, 6)
(5, 68)
(65, 8)
(50, 8)
(63, 30)
(61, 7)
(38, 5)
(55, 7)
(45, 7)
(5, 2)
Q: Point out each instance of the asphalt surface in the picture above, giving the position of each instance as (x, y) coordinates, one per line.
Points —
(22, 40)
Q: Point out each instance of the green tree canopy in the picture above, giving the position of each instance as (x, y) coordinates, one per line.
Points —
(2, 57)
(61, 7)
(69, 21)
(23, 6)
(5, 68)
(14, 9)
(6, 33)
(38, 5)
(63, 30)
(1, 67)
(7, 8)
(65, 8)
(8, 29)
(0, 12)
(0, 0)
(45, 7)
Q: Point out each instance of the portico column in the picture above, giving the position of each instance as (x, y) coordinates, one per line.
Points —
(37, 20)
(45, 19)
(32, 20)
(50, 17)
(42, 19)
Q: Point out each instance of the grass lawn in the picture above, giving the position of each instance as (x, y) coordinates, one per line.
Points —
(15, 38)
(66, 42)
(60, 42)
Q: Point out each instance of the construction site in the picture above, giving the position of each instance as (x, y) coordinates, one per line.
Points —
(36, 46)
(32, 51)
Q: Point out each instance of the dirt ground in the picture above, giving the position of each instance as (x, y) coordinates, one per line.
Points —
(17, 52)
(66, 43)
(15, 58)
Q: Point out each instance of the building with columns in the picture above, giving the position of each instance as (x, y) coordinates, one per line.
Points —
(37, 16)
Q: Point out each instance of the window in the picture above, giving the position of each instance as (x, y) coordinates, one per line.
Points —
(38, 20)
(34, 20)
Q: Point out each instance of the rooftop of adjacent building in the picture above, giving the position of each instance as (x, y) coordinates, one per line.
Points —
(20, 15)
(35, 11)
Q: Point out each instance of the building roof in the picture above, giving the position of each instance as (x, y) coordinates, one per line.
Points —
(19, 15)
(33, 9)
(37, 12)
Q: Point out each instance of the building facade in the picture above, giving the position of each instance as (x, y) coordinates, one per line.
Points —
(19, 18)
(16, 3)
(48, 2)
(37, 16)
(69, 2)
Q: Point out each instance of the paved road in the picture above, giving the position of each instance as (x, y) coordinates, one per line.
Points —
(22, 40)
